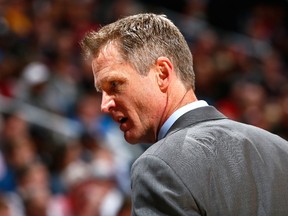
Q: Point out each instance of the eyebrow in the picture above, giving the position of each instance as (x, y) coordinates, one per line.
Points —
(114, 77)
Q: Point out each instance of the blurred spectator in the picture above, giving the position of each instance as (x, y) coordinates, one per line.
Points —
(33, 186)
(18, 149)
(18, 18)
(11, 204)
(96, 197)
(4, 207)
(67, 166)
(273, 74)
(33, 85)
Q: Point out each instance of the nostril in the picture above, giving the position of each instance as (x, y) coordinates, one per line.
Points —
(105, 109)
(107, 104)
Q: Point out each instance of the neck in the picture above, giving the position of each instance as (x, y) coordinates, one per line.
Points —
(176, 100)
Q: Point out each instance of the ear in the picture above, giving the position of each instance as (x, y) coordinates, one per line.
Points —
(164, 70)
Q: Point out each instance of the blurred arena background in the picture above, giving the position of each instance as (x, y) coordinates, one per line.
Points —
(59, 156)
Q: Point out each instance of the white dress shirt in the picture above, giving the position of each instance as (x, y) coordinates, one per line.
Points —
(181, 111)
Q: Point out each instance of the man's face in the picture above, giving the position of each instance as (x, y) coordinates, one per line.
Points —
(133, 100)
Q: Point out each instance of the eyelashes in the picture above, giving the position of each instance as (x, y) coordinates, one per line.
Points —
(113, 85)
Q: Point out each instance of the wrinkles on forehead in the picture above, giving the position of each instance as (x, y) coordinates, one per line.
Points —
(108, 54)
(108, 57)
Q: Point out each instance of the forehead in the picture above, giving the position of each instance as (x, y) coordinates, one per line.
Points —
(107, 56)
(109, 66)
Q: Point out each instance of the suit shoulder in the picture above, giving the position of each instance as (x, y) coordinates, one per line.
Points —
(181, 150)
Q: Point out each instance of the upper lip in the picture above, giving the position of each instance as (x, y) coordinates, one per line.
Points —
(122, 119)
(119, 119)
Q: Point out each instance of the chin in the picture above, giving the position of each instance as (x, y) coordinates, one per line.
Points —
(131, 140)
(137, 135)
(137, 140)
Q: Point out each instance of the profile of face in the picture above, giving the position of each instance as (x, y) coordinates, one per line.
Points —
(133, 100)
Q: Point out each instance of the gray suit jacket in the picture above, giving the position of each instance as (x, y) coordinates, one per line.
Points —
(210, 165)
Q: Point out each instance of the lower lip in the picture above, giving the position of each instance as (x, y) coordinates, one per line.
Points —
(123, 127)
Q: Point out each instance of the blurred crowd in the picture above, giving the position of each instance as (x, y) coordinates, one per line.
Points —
(59, 155)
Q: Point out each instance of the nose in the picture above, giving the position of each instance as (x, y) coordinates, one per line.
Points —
(107, 103)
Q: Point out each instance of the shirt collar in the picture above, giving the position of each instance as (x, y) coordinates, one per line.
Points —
(170, 121)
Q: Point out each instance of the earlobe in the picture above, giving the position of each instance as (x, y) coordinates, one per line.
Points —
(164, 72)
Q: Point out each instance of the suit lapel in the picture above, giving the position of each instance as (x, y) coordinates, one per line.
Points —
(195, 116)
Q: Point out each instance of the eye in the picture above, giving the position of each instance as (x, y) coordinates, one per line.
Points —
(114, 84)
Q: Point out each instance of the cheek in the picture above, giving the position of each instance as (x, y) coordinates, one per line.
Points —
(142, 99)
(147, 111)
(145, 103)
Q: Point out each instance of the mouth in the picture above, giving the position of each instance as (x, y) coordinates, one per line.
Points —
(123, 123)
(122, 120)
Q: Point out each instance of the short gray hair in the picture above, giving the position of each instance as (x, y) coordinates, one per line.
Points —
(141, 39)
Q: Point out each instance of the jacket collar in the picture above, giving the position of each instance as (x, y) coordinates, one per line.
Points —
(195, 116)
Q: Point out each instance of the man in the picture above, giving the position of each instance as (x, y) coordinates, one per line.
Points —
(201, 163)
